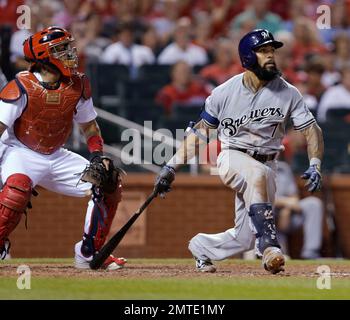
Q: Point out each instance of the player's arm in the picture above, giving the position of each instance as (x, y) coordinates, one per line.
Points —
(90, 129)
(315, 146)
(196, 139)
(315, 149)
(94, 140)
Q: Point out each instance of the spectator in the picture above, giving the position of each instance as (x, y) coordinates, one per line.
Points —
(258, 11)
(164, 20)
(126, 52)
(203, 32)
(224, 67)
(71, 10)
(284, 57)
(183, 90)
(222, 12)
(40, 18)
(293, 213)
(307, 42)
(331, 75)
(314, 71)
(310, 83)
(342, 50)
(182, 48)
(88, 41)
(151, 40)
(336, 97)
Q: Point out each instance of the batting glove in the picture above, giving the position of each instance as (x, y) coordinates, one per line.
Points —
(313, 174)
(164, 179)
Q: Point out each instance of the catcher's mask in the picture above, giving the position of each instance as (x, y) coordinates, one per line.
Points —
(52, 46)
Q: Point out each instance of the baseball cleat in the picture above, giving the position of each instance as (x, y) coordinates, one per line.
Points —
(110, 264)
(205, 265)
(113, 263)
(273, 260)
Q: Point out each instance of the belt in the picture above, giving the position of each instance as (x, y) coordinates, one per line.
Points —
(257, 156)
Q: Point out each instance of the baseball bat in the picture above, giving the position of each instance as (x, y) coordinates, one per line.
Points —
(112, 244)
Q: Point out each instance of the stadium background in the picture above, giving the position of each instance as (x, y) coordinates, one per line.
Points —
(315, 60)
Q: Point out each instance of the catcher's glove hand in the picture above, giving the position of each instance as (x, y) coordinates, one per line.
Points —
(99, 176)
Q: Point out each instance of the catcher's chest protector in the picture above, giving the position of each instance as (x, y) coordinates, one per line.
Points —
(46, 122)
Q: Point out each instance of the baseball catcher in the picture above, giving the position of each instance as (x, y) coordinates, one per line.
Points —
(37, 111)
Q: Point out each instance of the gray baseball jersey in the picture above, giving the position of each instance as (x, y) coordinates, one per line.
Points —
(255, 121)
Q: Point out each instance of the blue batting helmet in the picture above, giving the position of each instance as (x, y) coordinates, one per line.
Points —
(251, 42)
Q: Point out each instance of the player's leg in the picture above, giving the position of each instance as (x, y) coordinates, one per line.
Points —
(312, 210)
(64, 179)
(207, 247)
(256, 181)
(20, 170)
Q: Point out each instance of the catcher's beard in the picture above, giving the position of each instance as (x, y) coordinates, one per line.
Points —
(266, 74)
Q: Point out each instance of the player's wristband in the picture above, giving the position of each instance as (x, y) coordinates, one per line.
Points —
(315, 161)
(95, 143)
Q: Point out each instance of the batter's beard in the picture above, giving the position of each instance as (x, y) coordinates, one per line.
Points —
(266, 74)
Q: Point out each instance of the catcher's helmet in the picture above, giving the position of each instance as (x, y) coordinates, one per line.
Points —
(51, 46)
(251, 42)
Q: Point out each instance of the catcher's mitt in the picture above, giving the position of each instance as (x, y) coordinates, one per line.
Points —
(101, 178)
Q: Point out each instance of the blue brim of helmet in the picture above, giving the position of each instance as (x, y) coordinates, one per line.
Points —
(276, 44)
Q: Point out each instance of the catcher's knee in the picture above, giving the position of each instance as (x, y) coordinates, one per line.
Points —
(16, 192)
(14, 199)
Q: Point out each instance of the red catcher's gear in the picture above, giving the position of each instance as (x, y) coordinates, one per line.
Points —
(46, 122)
(14, 198)
(51, 46)
(95, 143)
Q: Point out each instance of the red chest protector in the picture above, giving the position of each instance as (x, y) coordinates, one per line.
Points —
(46, 122)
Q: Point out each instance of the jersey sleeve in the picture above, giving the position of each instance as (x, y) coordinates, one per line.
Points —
(11, 110)
(85, 111)
(300, 114)
(210, 112)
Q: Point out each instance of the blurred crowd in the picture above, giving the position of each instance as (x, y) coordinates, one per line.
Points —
(199, 35)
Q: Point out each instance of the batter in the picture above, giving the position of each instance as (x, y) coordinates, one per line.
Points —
(250, 112)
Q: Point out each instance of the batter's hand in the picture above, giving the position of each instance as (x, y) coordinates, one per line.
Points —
(313, 174)
(164, 179)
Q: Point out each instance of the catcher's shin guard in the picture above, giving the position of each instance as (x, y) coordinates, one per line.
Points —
(264, 223)
(102, 215)
(14, 199)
